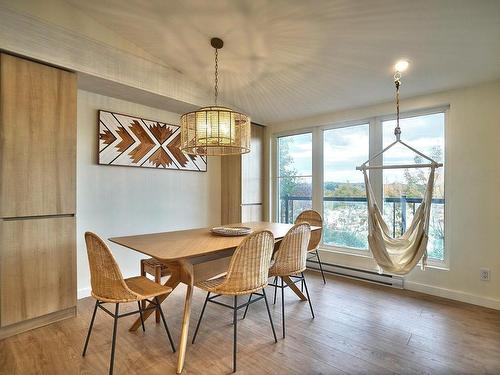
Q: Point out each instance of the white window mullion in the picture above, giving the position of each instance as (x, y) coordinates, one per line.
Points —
(376, 145)
(317, 170)
(274, 179)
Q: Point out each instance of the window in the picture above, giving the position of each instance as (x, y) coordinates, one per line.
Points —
(344, 195)
(403, 189)
(340, 191)
(294, 176)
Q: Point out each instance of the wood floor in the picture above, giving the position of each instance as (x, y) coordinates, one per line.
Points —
(359, 329)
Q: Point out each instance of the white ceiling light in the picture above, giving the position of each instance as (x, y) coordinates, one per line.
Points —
(401, 66)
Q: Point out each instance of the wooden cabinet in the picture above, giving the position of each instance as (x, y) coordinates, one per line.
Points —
(37, 139)
(242, 182)
(37, 194)
(37, 267)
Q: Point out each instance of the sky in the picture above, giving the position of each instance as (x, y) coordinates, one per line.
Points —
(346, 148)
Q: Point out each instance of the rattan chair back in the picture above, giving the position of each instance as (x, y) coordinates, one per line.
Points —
(249, 266)
(105, 276)
(291, 256)
(314, 219)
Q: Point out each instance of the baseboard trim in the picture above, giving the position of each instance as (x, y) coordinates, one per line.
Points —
(452, 294)
(358, 274)
(456, 295)
(38, 322)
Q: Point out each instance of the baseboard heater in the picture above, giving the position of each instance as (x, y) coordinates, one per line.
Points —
(358, 274)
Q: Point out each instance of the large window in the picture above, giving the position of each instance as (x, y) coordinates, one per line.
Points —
(294, 176)
(404, 188)
(339, 191)
(344, 194)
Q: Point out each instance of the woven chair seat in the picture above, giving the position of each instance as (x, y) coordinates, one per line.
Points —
(273, 272)
(146, 288)
(217, 286)
(212, 284)
(151, 263)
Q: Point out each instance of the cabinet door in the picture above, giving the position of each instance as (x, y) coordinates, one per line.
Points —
(242, 182)
(37, 267)
(37, 139)
(230, 189)
(252, 169)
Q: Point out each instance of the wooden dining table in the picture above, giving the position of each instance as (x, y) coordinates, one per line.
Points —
(193, 255)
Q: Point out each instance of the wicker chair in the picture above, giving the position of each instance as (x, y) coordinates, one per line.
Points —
(313, 218)
(290, 260)
(109, 286)
(247, 274)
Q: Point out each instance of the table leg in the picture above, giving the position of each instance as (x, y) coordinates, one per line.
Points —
(172, 282)
(184, 329)
(294, 287)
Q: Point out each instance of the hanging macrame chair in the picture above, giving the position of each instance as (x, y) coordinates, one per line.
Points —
(401, 254)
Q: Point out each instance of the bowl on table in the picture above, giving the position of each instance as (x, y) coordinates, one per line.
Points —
(231, 231)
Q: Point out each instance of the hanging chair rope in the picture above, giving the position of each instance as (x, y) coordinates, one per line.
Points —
(397, 83)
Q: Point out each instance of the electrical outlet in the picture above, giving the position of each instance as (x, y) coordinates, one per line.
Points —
(484, 274)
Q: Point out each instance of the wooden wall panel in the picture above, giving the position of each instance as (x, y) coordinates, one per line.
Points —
(37, 267)
(230, 189)
(252, 167)
(37, 139)
(242, 182)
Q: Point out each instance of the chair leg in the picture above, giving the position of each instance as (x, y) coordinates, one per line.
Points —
(142, 317)
(275, 288)
(143, 273)
(201, 316)
(307, 293)
(248, 305)
(320, 267)
(283, 307)
(269, 314)
(90, 329)
(158, 308)
(235, 331)
(158, 281)
(113, 342)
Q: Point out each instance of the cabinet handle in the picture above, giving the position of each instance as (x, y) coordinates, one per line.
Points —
(15, 218)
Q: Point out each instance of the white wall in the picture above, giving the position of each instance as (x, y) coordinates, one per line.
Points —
(472, 183)
(116, 201)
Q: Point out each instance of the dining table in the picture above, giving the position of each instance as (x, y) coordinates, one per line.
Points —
(194, 255)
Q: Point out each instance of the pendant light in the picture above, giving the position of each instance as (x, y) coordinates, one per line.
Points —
(215, 130)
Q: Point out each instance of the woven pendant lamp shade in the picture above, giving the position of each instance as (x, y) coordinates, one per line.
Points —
(215, 131)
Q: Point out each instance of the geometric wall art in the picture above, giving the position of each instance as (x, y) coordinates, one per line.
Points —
(135, 142)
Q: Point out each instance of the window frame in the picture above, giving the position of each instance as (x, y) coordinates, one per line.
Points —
(375, 134)
(342, 125)
(275, 168)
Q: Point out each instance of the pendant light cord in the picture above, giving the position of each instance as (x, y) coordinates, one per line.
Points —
(397, 82)
(216, 88)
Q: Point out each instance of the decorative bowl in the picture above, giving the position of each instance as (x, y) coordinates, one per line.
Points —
(231, 231)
